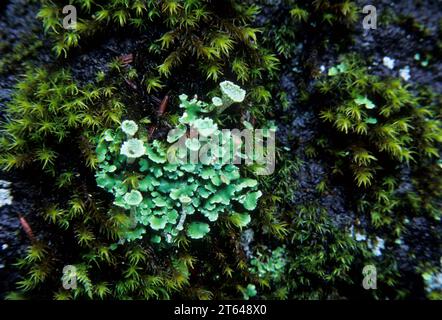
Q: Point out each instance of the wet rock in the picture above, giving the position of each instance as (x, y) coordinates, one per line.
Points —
(13, 241)
(401, 43)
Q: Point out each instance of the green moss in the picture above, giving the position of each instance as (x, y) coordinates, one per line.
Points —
(21, 52)
(301, 18)
(379, 123)
(302, 268)
(378, 134)
(48, 111)
(207, 32)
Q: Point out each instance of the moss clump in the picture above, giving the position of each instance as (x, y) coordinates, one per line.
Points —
(209, 31)
(209, 39)
(378, 123)
(301, 19)
(383, 143)
(48, 111)
(379, 128)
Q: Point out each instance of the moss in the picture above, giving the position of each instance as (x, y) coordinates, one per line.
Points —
(48, 111)
(14, 58)
(380, 124)
(208, 32)
(377, 135)
(300, 19)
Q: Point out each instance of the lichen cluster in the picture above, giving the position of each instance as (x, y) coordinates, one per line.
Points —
(163, 189)
(358, 176)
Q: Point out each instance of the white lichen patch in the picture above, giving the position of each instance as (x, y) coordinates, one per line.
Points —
(404, 73)
(377, 247)
(357, 235)
(388, 62)
(360, 237)
(5, 193)
(4, 184)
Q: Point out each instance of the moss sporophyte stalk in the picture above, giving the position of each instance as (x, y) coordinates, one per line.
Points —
(165, 189)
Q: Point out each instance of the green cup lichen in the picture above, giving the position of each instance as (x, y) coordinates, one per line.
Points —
(163, 190)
